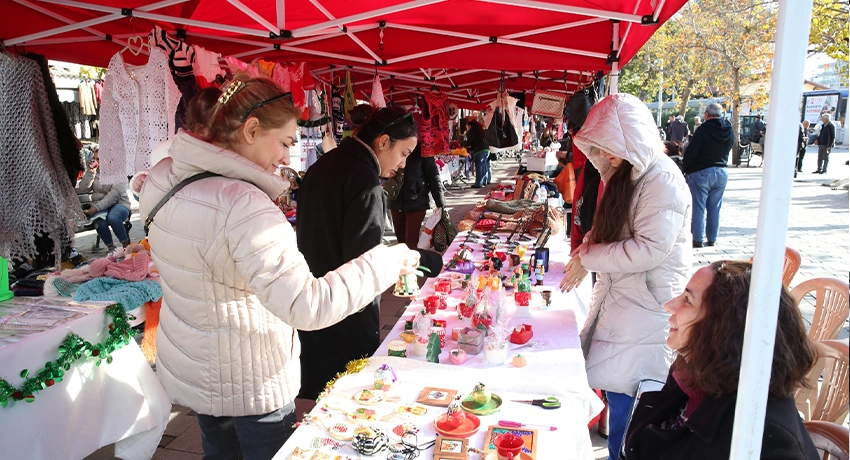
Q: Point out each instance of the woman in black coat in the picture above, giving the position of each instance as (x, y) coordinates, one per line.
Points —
(341, 215)
(693, 415)
(480, 152)
(421, 177)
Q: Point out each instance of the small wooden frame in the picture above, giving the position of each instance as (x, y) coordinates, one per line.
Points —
(440, 397)
(450, 448)
(528, 434)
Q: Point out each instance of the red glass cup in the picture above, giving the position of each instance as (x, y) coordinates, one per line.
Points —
(508, 446)
(443, 285)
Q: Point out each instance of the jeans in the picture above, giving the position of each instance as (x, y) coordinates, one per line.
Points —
(707, 187)
(256, 437)
(823, 157)
(619, 408)
(482, 167)
(115, 218)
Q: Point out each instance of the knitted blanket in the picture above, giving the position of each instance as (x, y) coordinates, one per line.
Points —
(130, 294)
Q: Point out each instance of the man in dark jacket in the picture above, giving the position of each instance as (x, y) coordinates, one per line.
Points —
(678, 129)
(757, 130)
(802, 142)
(825, 141)
(421, 177)
(704, 165)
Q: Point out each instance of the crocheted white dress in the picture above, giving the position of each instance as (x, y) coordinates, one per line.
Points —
(37, 197)
(137, 114)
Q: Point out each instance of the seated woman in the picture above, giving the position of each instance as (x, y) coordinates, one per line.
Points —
(692, 416)
(105, 197)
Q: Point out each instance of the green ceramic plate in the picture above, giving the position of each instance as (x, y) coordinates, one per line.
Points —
(488, 409)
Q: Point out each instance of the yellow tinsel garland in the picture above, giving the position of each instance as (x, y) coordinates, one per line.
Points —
(354, 366)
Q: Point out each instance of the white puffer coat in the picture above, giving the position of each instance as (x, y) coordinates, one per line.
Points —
(235, 286)
(624, 338)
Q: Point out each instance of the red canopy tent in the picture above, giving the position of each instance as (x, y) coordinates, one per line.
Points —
(459, 46)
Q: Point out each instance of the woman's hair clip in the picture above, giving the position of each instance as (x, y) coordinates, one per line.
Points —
(229, 90)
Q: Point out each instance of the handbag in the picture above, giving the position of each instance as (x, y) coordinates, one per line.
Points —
(444, 232)
(566, 182)
(548, 104)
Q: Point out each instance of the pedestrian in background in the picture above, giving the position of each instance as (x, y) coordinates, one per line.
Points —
(678, 129)
(704, 164)
(825, 141)
(420, 177)
(802, 142)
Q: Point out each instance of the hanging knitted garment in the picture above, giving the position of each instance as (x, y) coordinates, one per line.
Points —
(137, 115)
(37, 196)
(377, 98)
(435, 135)
(205, 66)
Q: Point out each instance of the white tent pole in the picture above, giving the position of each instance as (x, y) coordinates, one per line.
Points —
(628, 28)
(61, 30)
(350, 34)
(558, 8)
(658, 10)
(253, 15)
(546, 30)
(281, 14)
(615, 48)
(365, 15)
(760, 333)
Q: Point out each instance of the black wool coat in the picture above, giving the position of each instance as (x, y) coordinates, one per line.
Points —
(707, 434)
(421, 177)
(341, 215)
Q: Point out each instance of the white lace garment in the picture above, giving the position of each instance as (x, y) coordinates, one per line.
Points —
(137, 114)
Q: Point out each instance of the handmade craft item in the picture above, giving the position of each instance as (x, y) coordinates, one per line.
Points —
(528, 435)
(467, 428)
(384, 377)
(406, 286)
(441, 334)
(454, 416)
(433, 353)
(547, 298)
(457, 356)
(408, 336)
(370, 441)
(450, 448)
(481, 401)
(508, 446)
(369, 397)
(436, 396)
(521, 334)
(363, 414)
(471, 340)
(519, 361)
(414, 409)
(398, 348)
(495, 350)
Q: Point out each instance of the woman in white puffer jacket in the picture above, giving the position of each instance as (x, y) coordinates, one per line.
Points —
(640, 248)
(235, 286)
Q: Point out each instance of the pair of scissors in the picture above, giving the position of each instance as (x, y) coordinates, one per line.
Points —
(548, 403)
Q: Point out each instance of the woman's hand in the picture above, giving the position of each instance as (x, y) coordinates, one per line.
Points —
(574, 270)
(90, 211)
(409, 259)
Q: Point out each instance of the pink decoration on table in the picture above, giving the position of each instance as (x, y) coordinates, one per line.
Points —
(131, 269)
(521, 334)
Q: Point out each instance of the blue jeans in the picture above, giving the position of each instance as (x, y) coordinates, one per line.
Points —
(619, 408)
(115, 218)
(707, 187)
(257, 437)
(482, 167)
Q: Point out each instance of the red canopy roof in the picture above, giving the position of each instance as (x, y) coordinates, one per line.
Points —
(461, 46)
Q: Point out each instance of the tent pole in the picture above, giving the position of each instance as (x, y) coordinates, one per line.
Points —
(558, 8)
(615, 50)
(781, 139)
(281, 14)
(361, 16)
(253, 15)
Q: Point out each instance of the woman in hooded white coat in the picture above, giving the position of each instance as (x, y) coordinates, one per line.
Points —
(639, 247)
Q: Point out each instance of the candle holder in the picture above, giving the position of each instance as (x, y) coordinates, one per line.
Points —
(397, 348)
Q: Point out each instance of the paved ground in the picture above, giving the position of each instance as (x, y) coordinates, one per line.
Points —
(819, 225)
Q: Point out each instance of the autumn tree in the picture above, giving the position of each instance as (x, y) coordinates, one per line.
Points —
(829, 32)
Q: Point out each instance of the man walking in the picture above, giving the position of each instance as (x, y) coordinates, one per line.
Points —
(825, 140)
(704, 165)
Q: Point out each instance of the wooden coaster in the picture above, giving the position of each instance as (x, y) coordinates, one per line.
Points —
(440, 397)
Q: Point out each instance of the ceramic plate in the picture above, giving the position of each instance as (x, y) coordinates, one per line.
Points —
(488, 409)
(469, 427)
(495, 456)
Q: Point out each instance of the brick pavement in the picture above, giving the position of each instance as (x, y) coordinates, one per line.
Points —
(818, 229)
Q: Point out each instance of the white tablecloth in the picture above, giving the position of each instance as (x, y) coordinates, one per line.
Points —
(555, 369)
(94, 406)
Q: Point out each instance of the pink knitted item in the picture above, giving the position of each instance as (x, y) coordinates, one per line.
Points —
(97, 267)
(130, 269)
(77, 275)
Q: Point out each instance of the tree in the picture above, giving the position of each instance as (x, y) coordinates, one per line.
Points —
(829, 31)
(737, 39)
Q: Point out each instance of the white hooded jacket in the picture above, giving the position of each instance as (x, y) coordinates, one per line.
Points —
(235, 286)
(624, 338)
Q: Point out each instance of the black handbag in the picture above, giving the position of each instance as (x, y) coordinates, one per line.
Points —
(444, 233)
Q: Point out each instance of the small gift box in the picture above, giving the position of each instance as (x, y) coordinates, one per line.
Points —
(471, 336)
(470, 349)
(397, 348)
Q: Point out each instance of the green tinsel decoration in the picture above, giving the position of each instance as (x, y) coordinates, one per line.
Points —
(73, 348)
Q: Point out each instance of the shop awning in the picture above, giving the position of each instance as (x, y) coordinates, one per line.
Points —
(459, 46)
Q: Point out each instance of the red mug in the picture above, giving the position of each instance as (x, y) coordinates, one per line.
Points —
(508, 446)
